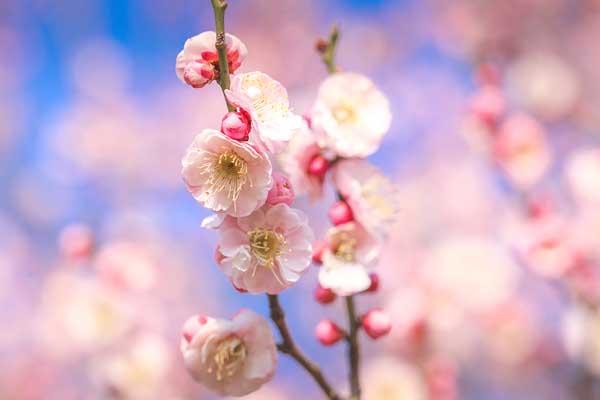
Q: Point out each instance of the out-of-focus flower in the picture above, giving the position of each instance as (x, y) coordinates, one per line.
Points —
(267, 251)
(372, 197)
(127, 265)
(351, 115)
(521, 149)
(581, 336)
(231, 357)
(297, 159)
(488, 105)
(583, 176)
(328, 333)
(226, 175)
(76, 242)
(475, 272)
(350, 251)
(136, 371)
(376, 323)
(408, 309)
(442, 379)
(198, 63)
(281, 192)
(266, 100)
(544, 83)
(390, 379)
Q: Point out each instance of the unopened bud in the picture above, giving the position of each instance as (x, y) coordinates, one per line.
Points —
(236, 125)
(197, 74)
(328, 333)
(340, 213)
(376, 323)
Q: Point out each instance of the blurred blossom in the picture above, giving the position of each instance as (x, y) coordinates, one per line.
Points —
(392, 379)
(583, 176)
(581, 336)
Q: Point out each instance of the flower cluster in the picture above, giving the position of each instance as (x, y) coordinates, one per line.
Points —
(265, 245)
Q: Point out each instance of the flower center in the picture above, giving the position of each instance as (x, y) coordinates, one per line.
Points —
(227, 172)
(265, 245)
(374, 193)
(346, 247)
(228, 358)
(344, 113)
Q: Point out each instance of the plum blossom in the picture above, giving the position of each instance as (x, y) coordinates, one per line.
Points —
(230, 357)
(296, 160)
(266, 100)
(226, 175)
(370, 194)
(267, 251)
(350, 252)
(521, 150)
(282, 190)
(351, 115)
(198, 63)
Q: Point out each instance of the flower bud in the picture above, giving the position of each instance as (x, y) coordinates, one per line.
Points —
(318, 166)
(197, 74)
(236, 125)
(191, 326)
(328, 333)
(318, 249)
(281, 192)
(340, 213)
(374, 282)
(324, 295)
(376, 323)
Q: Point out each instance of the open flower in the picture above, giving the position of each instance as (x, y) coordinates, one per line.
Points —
(198, 63)
(296, 159)
(226, 175)
(266, 100)
(350, 251)
(267, 251)
(231, 357)
(351, 114)
(370, 194)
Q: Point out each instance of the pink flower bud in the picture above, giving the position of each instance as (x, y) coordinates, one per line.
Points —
(236, 125)
(374, 282)
(281, 192)
(318, 249)
(340, 213)
(328, 333)
(191, 326)
(198, 73)
(76, 242)
(376, 323)
(324, 295)
(318, 166)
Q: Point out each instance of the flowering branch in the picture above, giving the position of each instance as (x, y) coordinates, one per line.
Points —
(219, 7)
(288, 346)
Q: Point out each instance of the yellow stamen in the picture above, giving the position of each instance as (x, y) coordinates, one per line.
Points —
(346, 247)
(344, 113)
(266, 245)
(226, 172)
(228, 358)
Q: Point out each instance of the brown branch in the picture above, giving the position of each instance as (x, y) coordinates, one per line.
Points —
(353, 348)
(289, 347)
(219, 7)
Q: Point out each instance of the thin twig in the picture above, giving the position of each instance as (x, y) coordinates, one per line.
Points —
(353, 348)
(327, 49)
(219, 7)
(289, 347)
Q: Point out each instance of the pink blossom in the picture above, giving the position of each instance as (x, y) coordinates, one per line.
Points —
(267, 251)
(236, 125)
(351, 115)
(225, 175)
(583, 176)
(350, 251)
(266, 100)
(230, 357)
(521, 149)
(198, 63)
(372, 197)
(127, 265)
(281, 192)
(296, 161)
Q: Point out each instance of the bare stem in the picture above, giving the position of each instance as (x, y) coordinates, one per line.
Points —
(353, 348)
(219, 7)
(289, 347)
(327, 49)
